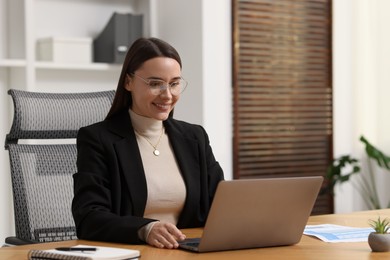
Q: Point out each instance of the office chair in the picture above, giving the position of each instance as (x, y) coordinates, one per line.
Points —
(41, 170)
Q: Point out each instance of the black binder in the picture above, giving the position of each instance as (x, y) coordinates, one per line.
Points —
(113, 42)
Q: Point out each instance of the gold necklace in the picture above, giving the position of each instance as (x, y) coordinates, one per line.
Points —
(156, 152)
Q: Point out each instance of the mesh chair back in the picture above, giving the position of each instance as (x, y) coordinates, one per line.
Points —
(42, 173)
(54, 115)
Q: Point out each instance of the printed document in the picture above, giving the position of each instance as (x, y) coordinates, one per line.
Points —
(336, 233)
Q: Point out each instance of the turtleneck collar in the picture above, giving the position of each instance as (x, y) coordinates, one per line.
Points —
(144, 125)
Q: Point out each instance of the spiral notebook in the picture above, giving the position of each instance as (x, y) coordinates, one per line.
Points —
(101, 253)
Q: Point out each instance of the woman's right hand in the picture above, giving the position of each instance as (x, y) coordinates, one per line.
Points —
(165, 235)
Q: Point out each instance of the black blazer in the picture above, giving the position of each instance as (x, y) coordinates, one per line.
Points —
(110, 187)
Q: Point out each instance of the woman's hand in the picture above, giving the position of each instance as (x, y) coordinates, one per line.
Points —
(165, 235)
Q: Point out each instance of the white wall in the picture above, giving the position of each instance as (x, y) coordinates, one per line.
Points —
(6, 206)
(6, 212)
(361, 87)
(217, 83)
(201, 32)
(383, 90)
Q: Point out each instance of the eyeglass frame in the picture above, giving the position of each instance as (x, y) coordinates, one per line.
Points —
(163, 86)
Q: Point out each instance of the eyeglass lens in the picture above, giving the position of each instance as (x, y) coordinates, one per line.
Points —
(159, 86)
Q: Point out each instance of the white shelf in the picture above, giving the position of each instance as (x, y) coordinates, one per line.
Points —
(77, 66)
(23, 22)
(16, 63)
(12, 63)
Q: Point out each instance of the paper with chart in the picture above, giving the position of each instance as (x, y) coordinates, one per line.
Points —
(336, 233)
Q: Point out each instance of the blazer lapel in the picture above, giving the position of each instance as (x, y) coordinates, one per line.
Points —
(187, 156)
(130, 161)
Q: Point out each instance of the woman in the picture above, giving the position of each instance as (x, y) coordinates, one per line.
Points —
(143, 175)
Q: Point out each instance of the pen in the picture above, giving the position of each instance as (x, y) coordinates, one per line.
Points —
(76, 248)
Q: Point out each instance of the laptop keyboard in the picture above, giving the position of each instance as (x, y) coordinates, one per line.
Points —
(194, 244)
(190, 242)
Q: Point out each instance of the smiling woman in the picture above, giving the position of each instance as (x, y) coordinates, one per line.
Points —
(141, 174)
(158, 100)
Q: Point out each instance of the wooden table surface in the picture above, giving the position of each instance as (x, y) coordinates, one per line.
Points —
(307, 248)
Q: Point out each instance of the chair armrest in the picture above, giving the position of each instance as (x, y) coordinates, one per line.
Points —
(15, 241)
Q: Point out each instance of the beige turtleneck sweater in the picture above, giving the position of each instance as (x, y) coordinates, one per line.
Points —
(165, 184)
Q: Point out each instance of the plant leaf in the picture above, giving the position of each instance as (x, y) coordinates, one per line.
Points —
(334, 171)
(374, 153)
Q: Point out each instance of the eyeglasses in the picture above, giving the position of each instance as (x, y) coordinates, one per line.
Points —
(158, 86)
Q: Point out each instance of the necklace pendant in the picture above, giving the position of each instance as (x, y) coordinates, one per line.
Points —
(156, 152)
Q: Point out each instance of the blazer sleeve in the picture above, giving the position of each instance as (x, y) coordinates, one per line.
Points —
(96, 215)
(212, 167)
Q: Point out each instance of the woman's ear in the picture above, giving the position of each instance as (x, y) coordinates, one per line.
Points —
(128, 82)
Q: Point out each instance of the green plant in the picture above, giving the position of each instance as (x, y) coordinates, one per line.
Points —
(380, 226)
(366, 184)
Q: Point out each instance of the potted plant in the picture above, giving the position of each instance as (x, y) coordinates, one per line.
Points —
(366, 183)
(379, 240)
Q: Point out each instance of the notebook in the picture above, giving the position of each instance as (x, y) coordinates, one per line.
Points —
(257, 213)
(84, 252)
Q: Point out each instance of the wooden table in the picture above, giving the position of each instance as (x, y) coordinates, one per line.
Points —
(307, 248)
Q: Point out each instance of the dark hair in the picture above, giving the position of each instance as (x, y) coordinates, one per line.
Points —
(140, 51)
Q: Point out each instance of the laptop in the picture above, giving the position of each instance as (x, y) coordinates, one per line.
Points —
(257, 213)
